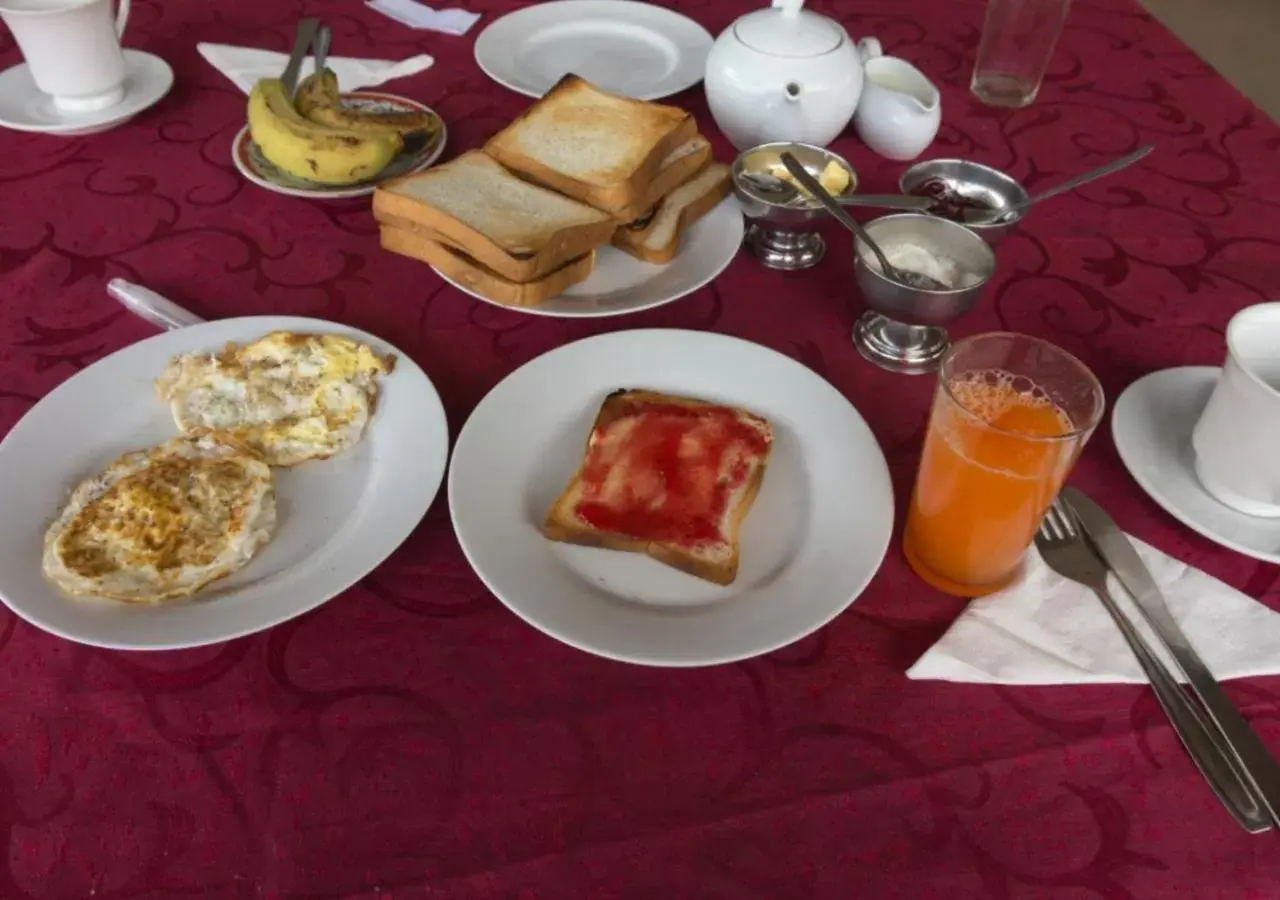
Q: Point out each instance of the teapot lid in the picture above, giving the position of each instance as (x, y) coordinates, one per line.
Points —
(787, 30)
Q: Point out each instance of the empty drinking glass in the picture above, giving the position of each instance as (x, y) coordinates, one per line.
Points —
(1018, 38)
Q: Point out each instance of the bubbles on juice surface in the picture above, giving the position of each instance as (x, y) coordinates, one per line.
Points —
(1010, 402)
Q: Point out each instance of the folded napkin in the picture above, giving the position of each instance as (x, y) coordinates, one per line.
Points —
(245, 65)
(418, 15)
(1047, 630)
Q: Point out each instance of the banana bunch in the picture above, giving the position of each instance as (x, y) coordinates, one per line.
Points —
(318, 100)
(309, 149)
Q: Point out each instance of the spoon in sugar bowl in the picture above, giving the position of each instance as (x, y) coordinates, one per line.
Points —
(916, 280)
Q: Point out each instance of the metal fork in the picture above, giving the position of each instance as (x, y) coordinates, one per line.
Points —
(1062, 543)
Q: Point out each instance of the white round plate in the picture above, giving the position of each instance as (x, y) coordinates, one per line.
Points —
(1152, 424)
(622, 284)
(414, 158)
(635, 49)
(814, 538)
(338, 518)
(24, 107)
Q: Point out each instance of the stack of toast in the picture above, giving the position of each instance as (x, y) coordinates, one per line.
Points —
(521, 221)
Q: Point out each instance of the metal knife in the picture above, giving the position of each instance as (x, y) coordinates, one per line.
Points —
(1257, 764)
(147, 304)
(301, 46)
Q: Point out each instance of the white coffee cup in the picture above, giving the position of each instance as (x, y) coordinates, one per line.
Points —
(72, 48)
(1237, 440)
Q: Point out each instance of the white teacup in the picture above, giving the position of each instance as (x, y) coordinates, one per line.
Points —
(1237, 440)
(72, 48)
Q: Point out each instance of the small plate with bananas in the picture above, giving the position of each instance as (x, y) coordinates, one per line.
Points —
(328, 145)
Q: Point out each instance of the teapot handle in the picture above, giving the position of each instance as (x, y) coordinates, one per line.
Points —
(869, 48)
(790, 8)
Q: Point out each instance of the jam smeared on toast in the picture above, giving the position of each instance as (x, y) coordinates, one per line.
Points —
(667, 472)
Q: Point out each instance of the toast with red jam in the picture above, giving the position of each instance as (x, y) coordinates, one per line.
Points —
(672, 477)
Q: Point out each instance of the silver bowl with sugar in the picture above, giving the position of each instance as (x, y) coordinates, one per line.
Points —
(784, 235)
(959, 184)
(903, 330)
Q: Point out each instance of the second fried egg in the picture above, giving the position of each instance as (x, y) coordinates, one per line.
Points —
(289, 397)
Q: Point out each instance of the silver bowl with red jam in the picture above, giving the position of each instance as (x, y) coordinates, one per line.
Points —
(961, 188)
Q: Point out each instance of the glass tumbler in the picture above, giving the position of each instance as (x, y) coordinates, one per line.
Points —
(1018, 38)
(1010, 416)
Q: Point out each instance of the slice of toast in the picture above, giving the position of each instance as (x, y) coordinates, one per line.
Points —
(681, 164)
(668, 476)
(470, 274)
(657, 237)
(518, 230)
(594, 146)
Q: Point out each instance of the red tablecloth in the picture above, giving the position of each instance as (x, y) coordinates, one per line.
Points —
(413, 738)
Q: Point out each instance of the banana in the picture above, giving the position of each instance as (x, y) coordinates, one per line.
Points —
(306, 149)
(318, 99)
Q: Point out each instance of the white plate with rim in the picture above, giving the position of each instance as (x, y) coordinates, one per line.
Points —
(622, 284)
(637, 49)
(1151, 425)
(24, 107)
(338, 518)
(813, 540)
(413, 158)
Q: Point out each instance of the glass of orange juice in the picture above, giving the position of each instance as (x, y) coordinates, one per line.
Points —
(1010, 417)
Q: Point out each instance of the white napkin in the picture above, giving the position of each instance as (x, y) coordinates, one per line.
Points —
(418, 15)
(245, 65)
(1047, 630)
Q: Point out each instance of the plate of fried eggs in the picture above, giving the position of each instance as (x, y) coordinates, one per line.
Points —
(213, 481)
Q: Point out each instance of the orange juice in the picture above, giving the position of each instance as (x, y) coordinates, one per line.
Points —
(996, 453)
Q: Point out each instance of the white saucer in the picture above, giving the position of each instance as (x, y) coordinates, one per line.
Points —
(24, 107)
(622, 284)
(813, 540)
(637, 49)
(1152, 425)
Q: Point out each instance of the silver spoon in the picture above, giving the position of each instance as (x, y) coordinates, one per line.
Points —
(323, 38)
(779, 190)
(909, 279)
(988, 217)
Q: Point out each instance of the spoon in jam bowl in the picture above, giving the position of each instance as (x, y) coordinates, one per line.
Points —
(916, 280)
(779, 190)
(974, 216)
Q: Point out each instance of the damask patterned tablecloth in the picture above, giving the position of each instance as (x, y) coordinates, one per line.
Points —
(412, 738)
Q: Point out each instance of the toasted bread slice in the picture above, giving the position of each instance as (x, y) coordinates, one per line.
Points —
(470, 274)
(657, 237)
(681, 164)
(668, 476)
(594, 146)
(520, 231)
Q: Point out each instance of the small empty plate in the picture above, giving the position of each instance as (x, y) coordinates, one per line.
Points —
(635, 49)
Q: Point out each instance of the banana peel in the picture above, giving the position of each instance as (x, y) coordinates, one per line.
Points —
(310, 150)
(318, 99)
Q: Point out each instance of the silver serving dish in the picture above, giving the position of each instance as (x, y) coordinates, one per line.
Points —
(974, 182)
(784, 236)
(903, 330)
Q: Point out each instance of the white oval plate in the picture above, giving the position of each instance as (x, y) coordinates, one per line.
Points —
(262, 172)
(338, 518)
(622, 284)
(636, 49)
(1151, 425)
(814, 538)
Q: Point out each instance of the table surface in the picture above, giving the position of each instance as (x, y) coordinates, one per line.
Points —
(413, 738)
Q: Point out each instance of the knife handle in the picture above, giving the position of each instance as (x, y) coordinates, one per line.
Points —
(1215, 762)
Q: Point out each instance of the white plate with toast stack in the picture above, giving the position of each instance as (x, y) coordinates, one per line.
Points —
(812, 535)
(636, 49)
(561, 215)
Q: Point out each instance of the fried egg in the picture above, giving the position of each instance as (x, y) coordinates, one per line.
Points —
(288, 397)
(162, 523)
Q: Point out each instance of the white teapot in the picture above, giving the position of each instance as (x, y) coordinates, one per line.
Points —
(785, 74)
